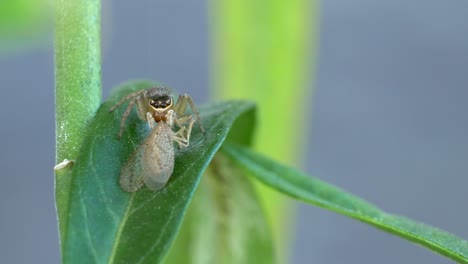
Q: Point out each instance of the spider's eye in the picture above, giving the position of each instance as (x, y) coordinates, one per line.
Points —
(162, 102)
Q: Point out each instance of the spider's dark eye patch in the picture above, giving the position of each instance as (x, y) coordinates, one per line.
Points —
(162, 101)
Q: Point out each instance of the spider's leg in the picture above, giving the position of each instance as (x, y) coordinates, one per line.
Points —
(131, 95)
(125, 116)
(181, 106)
(142, 106)
(150, 120)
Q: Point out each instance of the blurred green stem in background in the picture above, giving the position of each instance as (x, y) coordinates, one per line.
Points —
(22, 22)
(77, 82)
(265, 50)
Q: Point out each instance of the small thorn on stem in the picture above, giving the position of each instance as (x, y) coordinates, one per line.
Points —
(64, 164)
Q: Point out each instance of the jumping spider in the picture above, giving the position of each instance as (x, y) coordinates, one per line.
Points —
(152, 162)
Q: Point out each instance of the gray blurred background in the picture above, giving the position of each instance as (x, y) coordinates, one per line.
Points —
(389, 119)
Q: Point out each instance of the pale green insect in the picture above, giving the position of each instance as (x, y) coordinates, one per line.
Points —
(152, 163)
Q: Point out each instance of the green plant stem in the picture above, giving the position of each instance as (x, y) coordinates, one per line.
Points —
(263, 51)
(77, 83)
(77, 71)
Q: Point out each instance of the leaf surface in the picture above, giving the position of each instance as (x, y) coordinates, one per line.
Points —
(105, 224)
(225, 222)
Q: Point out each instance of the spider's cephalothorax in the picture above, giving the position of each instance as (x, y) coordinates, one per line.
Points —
(157, 101)
(159, 105)
(152, 162)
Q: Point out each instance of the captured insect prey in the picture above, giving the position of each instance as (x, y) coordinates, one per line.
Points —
(152, 162)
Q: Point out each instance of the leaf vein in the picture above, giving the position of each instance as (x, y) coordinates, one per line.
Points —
(120, 230)
(99, 185)
(88, 235)
(157, 242)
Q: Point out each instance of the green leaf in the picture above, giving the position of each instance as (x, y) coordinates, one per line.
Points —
(195, 222)
(225, 222)
(105, 224)
(314, 191)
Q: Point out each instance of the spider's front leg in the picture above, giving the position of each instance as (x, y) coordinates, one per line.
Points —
(183, 101)
(150, 120)
(126, 98)
(138, 97)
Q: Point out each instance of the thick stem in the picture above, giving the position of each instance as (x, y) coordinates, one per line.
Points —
(77, 86)
(77, 71)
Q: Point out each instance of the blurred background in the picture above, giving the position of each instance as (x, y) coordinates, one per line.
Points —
(389, 116)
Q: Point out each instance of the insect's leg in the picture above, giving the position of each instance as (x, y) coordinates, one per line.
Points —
(125, 116)
(150, 120)
(131, 95)
(184, 128)
(182, 121)
(180, 138)
(189, 129)
(181, 106)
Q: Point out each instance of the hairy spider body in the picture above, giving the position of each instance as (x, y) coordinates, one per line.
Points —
(152, 162)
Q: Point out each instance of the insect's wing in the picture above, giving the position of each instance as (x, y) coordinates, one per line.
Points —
(131, 177)
(158, 160)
